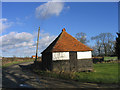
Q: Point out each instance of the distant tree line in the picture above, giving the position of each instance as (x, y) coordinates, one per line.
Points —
(105, 43)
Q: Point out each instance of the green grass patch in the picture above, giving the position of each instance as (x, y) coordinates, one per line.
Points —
(110, 58)
(103, 73)
(15, 62)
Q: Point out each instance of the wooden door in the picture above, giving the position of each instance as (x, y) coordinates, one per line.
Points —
(73, 61)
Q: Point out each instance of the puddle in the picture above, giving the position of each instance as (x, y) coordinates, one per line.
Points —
(25, 86)
(38, 80)
(22, 79)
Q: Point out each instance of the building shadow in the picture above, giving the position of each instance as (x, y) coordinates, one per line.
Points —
(12, 81)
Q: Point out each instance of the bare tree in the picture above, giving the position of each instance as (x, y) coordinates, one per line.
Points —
(98, 45)
(81, 37)
(105, 43)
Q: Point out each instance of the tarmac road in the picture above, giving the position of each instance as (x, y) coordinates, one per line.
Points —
(17, 76)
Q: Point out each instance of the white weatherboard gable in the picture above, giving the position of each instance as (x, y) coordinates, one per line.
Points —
(60, 56)
(84, 55)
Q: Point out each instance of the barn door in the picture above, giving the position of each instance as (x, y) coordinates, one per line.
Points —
(73, 61)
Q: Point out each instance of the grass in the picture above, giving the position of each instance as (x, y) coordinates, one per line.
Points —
(110, 58)
(103, 73)
(15, 62)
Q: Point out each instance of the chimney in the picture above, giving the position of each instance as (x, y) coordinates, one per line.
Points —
(63, 29)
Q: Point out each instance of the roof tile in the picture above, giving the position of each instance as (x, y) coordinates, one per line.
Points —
(65, 42)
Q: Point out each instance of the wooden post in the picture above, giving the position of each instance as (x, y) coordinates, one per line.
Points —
(37, 45)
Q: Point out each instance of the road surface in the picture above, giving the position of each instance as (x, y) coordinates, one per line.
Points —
(18, 76)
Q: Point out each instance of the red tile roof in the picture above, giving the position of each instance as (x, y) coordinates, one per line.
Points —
(34, 56)
(65, 42)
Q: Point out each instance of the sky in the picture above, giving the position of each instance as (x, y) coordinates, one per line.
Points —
(20, 22)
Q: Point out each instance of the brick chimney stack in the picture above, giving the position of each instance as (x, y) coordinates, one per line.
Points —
(63, 29)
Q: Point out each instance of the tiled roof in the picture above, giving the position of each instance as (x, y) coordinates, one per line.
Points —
(34, 56)
(65, 42)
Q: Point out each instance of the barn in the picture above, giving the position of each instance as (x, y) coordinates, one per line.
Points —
(67, 54)
(33, 56)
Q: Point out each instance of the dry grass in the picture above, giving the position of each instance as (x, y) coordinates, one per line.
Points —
(15, 60)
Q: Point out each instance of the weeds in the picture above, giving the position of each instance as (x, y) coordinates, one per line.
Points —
(9, 63)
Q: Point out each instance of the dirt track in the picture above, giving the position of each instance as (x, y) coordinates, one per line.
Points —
(17, 76)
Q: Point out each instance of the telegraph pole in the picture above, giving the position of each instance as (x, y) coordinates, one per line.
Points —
(37, 45)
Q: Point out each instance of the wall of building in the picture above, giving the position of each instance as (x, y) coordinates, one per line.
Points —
(84, 55)
(61, 66)
(66, 55)
(47, 61)
(73, 64)
(60, 56)
(55, 62)
(84, 65)
(73, 61)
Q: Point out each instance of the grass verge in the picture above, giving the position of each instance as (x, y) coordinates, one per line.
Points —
(103, 73)
(106, 73)
(110, 58)
(15, 62)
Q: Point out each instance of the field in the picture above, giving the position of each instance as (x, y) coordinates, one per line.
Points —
(14, 60)
(103, 73)
(110, 58)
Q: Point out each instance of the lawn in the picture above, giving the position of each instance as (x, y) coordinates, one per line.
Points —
(103, 73)
(110, 58)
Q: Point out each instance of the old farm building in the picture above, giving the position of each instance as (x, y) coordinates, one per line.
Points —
(66, 53)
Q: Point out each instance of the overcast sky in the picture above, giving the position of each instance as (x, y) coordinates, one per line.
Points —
(20, 22)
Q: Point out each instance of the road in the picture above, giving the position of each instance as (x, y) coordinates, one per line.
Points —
(18, 76)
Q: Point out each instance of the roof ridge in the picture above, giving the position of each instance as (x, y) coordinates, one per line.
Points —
(60, 35)
(58, 38)
(63, 31)
(54, 43)
(78, 40)
(66, 42)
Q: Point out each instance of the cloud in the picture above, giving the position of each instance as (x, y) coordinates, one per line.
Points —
(4, 24)
(49, 9)
(15, 40)
(23, 44)
(19, 22)
(68, 7)
(45, 40)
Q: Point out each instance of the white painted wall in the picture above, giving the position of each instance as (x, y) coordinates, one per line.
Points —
(84, 55)
(60, 56)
